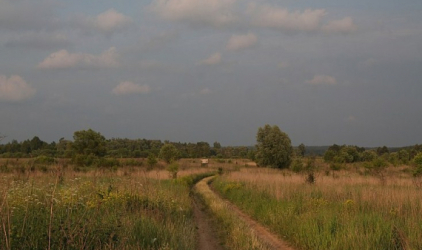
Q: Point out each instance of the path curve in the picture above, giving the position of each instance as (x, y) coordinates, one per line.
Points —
(261, 232)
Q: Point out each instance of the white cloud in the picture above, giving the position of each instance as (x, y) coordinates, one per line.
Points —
(15, 89)
(63, 60)
(212, 60)
(125, 88)
(322, 80)
(239, 42)
(216, 13)
(280, 18)
(111, 20)
(344, 25)
(107, 22)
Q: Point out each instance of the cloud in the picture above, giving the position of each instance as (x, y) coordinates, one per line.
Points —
(38, 40)
(64, 60)
(107, 22)
(322, 80)
(111, 20)
(125, 88)
(214, 59)
(344, 25)
(240, 42)
(215, 13)
(280, 18)
(226, 13)
(15, 89)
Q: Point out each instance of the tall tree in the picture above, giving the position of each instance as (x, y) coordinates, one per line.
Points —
(88, 142)
(274, 148)
(169, 153)
(301, 150)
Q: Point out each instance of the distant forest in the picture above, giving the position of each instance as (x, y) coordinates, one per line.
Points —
(142, 148)
(121, 148)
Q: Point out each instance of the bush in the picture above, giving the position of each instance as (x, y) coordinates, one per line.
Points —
(82, 160)
(42, 159)
(297, 166)
(335, 166)
(417, 161)
(173, 168)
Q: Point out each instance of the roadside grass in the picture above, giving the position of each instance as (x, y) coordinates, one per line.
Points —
(98, 209)
(341, 211)
(234, 233)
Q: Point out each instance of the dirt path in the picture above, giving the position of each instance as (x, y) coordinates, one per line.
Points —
(261, 232)
(207, 238)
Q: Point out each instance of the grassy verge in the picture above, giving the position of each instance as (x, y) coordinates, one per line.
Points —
(101, 211)
(234, 233)
(340, 213)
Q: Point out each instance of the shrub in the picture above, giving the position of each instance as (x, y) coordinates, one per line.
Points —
(335, 166)
(173, 168)
(297, 165)
(42, 159)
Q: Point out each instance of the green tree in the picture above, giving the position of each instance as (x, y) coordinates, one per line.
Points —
(273, 148)
(404, 156)
(301, 150)
(382, 150)
(169, 153)
(417, 161)
(89, 142)
(152, 160)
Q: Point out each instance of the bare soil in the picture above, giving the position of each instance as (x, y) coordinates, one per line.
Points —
(207, 237)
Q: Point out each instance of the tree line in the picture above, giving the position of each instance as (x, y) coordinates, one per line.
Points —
(90, 142)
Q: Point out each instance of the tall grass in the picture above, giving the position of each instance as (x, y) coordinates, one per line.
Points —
(97, 210)
(345, 211)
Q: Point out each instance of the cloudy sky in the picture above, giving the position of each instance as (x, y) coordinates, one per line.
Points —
(345, 72)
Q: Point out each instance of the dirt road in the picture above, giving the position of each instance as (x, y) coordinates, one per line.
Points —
(260, 231)
(207, 238)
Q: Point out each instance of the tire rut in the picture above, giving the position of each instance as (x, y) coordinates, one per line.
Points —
(261, 232)
(207, 237)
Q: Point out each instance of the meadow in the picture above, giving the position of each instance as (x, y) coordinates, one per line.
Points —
(135, 206)
(346, 209)
(56, 207)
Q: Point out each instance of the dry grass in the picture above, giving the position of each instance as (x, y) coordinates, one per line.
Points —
(345, 198)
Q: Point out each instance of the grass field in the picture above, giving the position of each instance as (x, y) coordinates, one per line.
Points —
(342, 210)
(57, 206)
(129, 208)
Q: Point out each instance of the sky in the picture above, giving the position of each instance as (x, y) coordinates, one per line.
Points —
(325, 72)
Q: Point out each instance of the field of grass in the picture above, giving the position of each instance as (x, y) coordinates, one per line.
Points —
(342, 210)
(127, 208)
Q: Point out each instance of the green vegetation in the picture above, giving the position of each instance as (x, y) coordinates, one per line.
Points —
(95, 193)
(115, 148)
(339, 212)
(59, 210)
(169, 153)
(273, 148)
